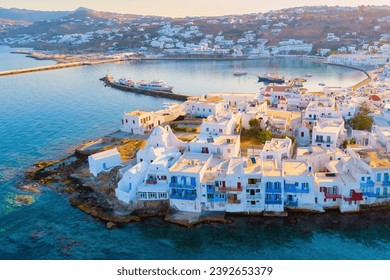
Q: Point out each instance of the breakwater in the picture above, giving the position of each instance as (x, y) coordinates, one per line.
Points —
(56, 66)
(109, 81)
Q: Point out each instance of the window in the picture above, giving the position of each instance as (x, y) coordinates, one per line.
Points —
(305, 186)
(362, 179)
(277, 185)
(220, 130)
(209, 110)
(302, 134)
(277, 196)
(378, 177)
(253, 202)
(207, 129)
(133, 121)
(269, 157)
(210, 196)
(268, 185)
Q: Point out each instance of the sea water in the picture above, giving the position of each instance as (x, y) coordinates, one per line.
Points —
(43, 114)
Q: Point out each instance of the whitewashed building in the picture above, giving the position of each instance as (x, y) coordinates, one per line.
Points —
(140, 122)
(103, 161)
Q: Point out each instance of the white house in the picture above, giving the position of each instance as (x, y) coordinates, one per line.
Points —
(103, 161)
(277, 148)
(205, 107)
(184, 181)
(131, 178)
(140, 122)
(158, 142)
(299, 189)
(328, 133)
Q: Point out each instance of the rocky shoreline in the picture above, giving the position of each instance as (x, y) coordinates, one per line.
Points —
(96, 195)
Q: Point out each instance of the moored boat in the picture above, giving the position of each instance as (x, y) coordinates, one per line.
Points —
(239, 73)
(271, 77)
(156, 85)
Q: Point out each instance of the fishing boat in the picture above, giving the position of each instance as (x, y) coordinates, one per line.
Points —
(271, 77)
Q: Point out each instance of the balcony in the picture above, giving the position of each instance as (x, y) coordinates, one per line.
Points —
(319, 140)
(367, 184)
(386, 195)
(273, 201)
(183, 197)
(290, 187)
(273, 190)
(386, 183)
(291, 203)
(182, 186)
(369, 193)
(333, 196)
(355, 196)
(233, 201)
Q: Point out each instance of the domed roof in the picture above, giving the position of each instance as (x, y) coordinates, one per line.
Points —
(375, 97)
(158, 131)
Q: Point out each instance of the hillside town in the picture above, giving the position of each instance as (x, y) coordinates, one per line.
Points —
(313, 31)
(307, 151)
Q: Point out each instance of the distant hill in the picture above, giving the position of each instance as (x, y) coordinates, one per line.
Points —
(31, 15)
(85, 30)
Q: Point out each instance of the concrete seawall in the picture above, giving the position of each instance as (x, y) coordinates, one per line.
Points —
(56, 66)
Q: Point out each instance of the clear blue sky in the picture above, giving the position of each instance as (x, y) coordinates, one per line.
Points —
(179, 8)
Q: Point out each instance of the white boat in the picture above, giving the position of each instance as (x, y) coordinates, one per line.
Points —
(321, 84)
(239, 72)
(126, 82)
(308, 75)
(157, 85)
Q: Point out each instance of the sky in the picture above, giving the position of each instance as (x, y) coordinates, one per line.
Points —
(179, 8)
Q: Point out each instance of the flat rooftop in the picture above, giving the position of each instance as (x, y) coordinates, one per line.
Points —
(330, 178)
(374, 157)
(253, 165)
(136, 113)
(295, 168)
(276, 144)
(217, 139)
(105, 154)
(270, 168)
(190, 163)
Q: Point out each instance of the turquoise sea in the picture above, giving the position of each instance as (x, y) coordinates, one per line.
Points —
(42, 114)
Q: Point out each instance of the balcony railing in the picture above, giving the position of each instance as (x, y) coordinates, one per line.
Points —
(183, 197)
(252, 186)
(334, 195)
(323, 141)
(235, 201)
(369, 193)
(182, 186)
(386, 183)
(291, 203)
(367, 184)
(273, 190)
(386, 195)
(273, 201)
(356, 196)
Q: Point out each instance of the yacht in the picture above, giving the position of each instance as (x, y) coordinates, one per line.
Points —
(126, 82)
(157, 85)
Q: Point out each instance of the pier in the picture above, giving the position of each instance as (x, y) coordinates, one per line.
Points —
(109, 81)
(56, 66)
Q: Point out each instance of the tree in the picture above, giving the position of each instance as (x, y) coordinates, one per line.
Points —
(265, 135)
(254, 124)
(362, 121)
